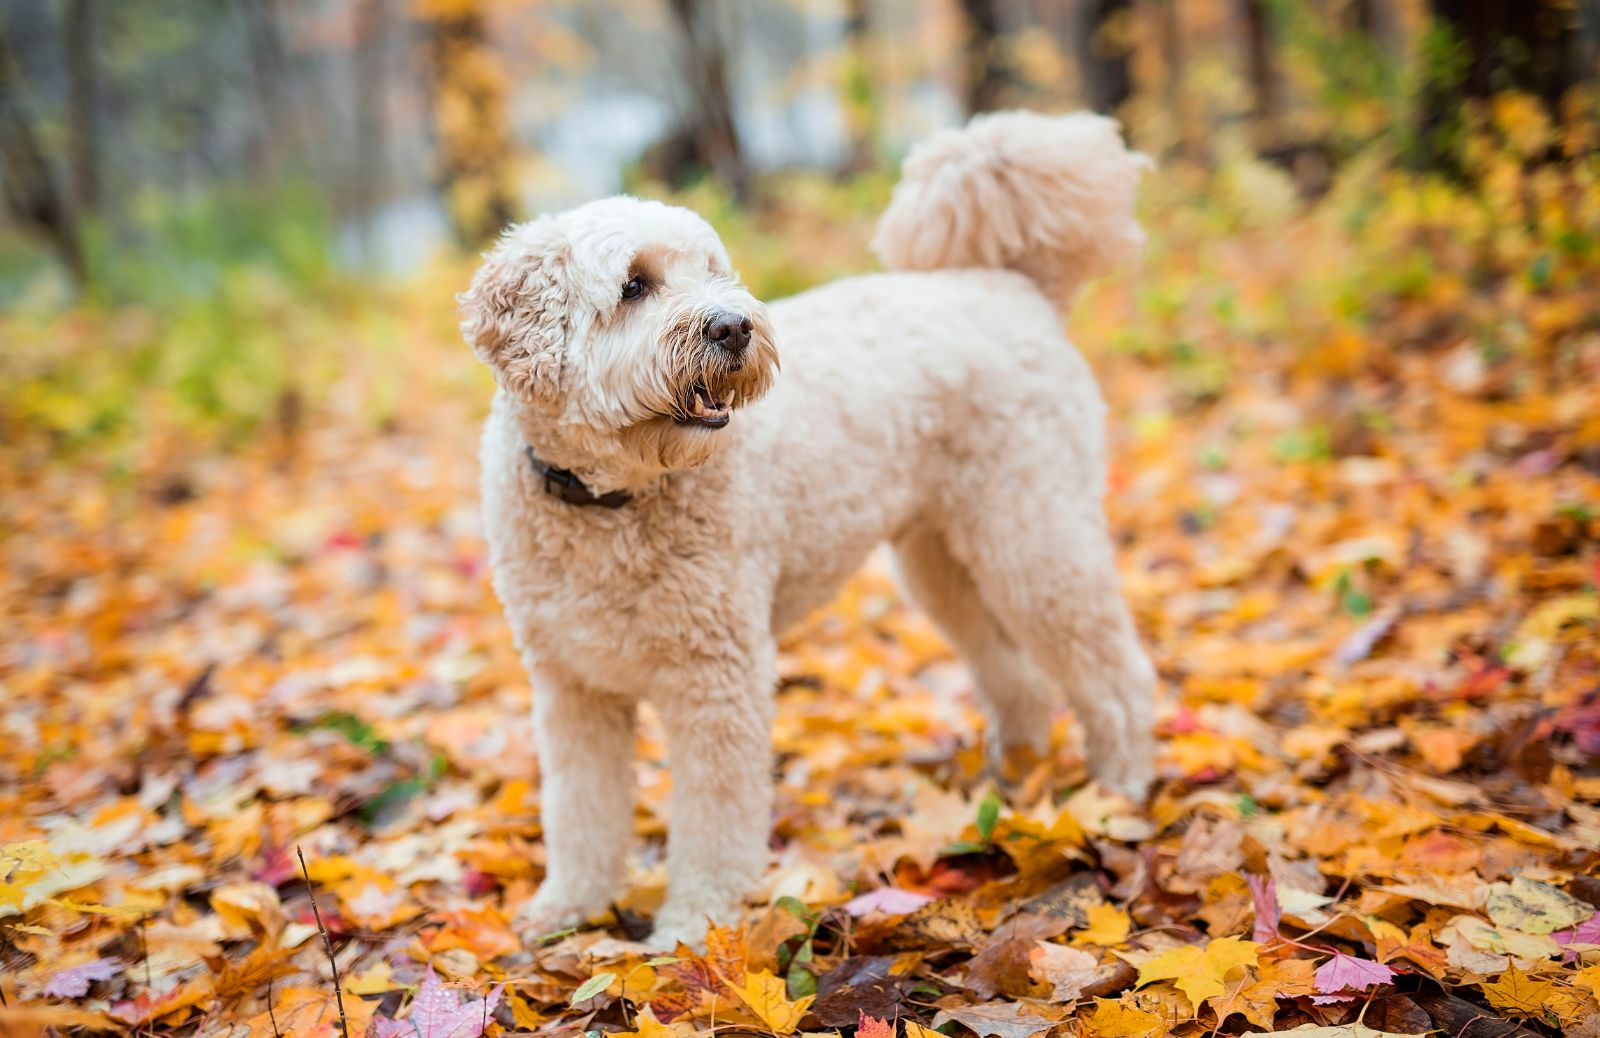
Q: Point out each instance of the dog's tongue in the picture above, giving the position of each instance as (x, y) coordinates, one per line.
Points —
(704, 405)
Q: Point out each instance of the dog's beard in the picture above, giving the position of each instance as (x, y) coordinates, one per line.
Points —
(701, 385)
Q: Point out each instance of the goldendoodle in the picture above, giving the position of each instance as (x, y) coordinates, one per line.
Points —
(660, 502)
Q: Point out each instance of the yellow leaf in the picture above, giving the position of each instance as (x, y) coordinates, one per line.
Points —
(1200, 974)
(768, 998)
(89, 908)
(1108, 925)
(1518, 993)
(1533, 907)
(1589, 977)
(1115, 1019)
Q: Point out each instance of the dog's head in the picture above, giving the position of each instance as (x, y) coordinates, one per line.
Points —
(623, 332)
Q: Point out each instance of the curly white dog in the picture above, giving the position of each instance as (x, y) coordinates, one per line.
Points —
(659, 502)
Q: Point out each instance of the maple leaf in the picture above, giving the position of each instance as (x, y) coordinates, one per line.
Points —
(1199, 974)
(438, 1012)
(767, 997)
(1518, 993)
(872, 1027)
(1347, 973)
(74, 982)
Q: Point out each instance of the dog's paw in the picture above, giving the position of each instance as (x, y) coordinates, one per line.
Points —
(687, 924)
(1132, 779)
(544, 916)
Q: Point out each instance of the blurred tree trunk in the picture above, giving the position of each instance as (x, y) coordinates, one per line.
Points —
(83, 124)
(1179, 102)
(712, 133)
(1266, 103)
(31, 192)
(860, 90)
(1489, 46)
(282, 127)
(474, 152)
(1380, 22)
(985, 75)
(1103, 54)
(372, 127)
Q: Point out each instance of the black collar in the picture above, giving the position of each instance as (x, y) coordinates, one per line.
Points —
(569, 488)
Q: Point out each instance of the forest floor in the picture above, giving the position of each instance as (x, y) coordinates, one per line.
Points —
(246, 689)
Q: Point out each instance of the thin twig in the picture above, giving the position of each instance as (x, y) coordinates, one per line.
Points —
(270, 1014)
(327, 943)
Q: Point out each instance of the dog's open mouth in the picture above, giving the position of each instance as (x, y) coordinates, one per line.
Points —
(703, 407)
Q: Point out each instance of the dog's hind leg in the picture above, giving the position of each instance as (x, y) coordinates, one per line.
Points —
(1018, 696)
(1047, 573)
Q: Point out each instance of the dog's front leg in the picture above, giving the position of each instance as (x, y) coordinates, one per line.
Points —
(585, 742)
(720, 752)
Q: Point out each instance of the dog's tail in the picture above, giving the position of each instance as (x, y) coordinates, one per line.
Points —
(1048, 196)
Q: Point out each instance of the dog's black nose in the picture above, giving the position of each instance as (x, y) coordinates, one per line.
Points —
(729, 330)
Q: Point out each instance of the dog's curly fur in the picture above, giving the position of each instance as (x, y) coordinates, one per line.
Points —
(938, 407)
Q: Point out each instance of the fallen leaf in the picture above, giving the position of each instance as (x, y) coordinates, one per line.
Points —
(1067, 970)
(1198, 973)
(1519, 994)
(74, 982)
(999, 1019)
(1345, 973)
(767, 997)
(1534, 907)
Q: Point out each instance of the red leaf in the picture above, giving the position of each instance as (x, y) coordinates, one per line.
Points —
(872, 1027)
(1348, 973)
(1264, 892)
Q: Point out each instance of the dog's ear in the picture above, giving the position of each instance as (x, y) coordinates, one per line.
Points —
(516, 312)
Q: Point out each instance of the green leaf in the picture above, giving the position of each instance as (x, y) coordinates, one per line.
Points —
(361, 734)
(393, 796)
(797, 908)
(800, 981)
(955, 850)
(592, 987)
(988, 815)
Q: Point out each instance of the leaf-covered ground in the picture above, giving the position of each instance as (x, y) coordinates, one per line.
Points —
(1359, 525)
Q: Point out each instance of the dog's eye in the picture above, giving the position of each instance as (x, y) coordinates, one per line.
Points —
(633, 289)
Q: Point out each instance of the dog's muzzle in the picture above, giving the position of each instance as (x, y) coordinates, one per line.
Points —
(728, 334)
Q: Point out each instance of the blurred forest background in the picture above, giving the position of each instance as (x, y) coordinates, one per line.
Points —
(189, 160)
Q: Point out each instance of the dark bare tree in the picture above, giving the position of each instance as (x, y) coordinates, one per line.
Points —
(31, 191)
(1266, 100)
(860, 88)
(83, 123)
(283, 125)
(710, 131)
(1483, 47)
(1103, 54)
(985, 71)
